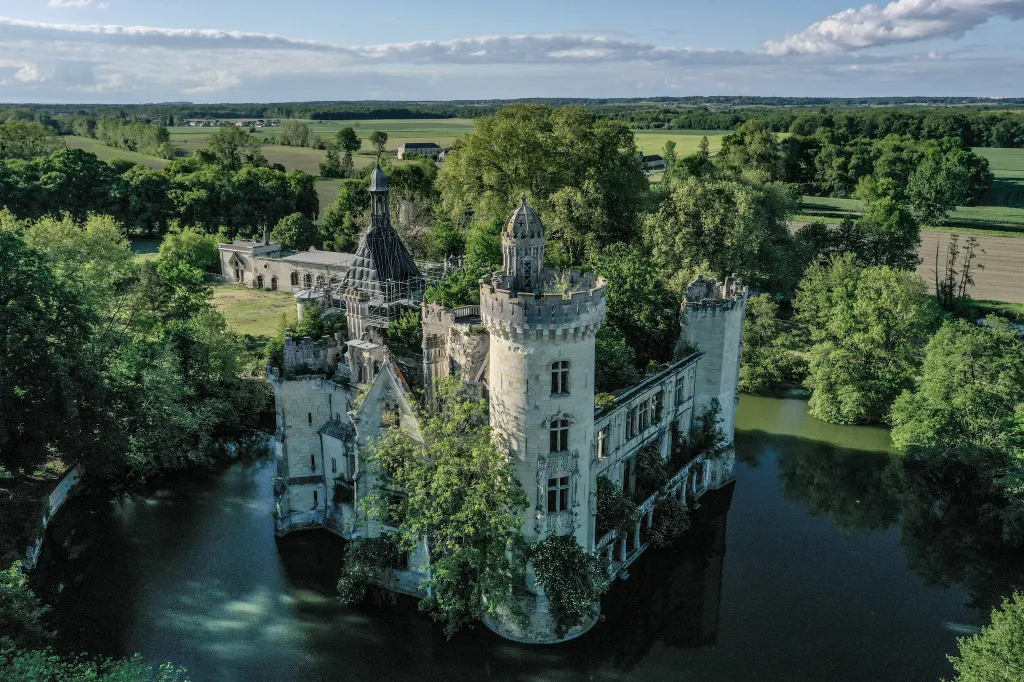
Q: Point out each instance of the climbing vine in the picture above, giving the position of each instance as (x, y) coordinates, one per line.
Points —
(572, 580)
(671, 520)
(707, 436)
(615, 511)
(369, 564)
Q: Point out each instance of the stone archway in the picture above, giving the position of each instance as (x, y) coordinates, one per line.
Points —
(273, 283)
(259, 281)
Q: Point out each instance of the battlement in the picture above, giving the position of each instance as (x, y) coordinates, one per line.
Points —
(709, 296)
(311, 356)
(571, 301)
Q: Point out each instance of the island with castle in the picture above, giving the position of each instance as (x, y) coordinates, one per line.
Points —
(528, 349)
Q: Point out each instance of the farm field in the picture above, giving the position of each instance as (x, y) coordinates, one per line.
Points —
(106, 153)
(965, 216)
(687, 141)
(253, 311)
(999, 281)
(1008, 167)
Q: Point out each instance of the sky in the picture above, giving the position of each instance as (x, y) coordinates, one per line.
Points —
(131, 51)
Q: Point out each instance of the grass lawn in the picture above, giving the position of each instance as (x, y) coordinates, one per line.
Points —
(687, 141)
(106, 153)
(1011, 311)
(963, 216)
(253, 311)
(1008, 167)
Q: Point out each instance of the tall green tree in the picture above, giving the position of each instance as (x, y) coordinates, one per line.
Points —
(765, 360)
(45, 373)
(27, 140)
(543, 151)
(189, 246)
(868, 328)
(232, 148)
(460, 493)
(724, 226)
(753, 148)
(888, 235)
(971, 389)
(296, 232)
(379, 140)
(348, 139)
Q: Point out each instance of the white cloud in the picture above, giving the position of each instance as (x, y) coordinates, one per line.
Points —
(901, 21)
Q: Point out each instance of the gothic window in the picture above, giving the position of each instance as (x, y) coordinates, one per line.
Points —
(560, 378)
(259, 281)
(273, 283)
(295, 279)
(307, 281)
(558, 494)
(321, 282)
(645, 415)
(680, 390)
(602, 443)
(559, 435)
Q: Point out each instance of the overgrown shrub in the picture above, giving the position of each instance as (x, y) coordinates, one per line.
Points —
(572, 579)
(615, 511)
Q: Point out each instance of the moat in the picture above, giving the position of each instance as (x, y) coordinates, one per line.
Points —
(825, 560)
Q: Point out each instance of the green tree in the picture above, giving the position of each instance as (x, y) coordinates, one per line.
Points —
(379, 140)
(75, 182)
(614, 360)
(724, 226)
(461, 493)
(233, 148)
(542, 151)
(483, 245)
(189, 246)
(348, 139)
(46, 666)
(22, 613)
(753, 147)
(444, 239)
(406, 333)
(765, 361)
(27, 140)
(296, 232)
(868, 328)
(295, 133)
(458, 289)
(640, 305)
(572, 580)
(149, 204)
(668, 153)
(971, 389)
(44, 372)
(331, 166)
(888, 235)
(996, 654)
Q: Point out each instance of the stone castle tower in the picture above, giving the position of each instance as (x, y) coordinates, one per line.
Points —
(541, 376)
(712, 323)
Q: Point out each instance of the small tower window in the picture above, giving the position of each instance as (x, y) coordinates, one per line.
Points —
(527, 274)
(559, 435)
(334, 465)
(309, 416)
(560, 378)
(316, 499)
(558, 494)
(312, 462)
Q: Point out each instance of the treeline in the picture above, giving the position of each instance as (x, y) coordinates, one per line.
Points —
(934, 176)
(134, 136)
(235, 198)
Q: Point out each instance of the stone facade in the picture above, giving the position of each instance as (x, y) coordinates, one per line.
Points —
(529, 349)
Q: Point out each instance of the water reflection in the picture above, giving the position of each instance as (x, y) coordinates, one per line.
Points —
(841, 564)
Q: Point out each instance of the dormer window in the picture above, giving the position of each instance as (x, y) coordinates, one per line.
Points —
(560, 378)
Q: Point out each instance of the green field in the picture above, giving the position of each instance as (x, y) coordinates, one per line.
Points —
(687, 141)
(1011, 311)
(1011, 219)
(106, 153)
(1008, 167)
(253, 311)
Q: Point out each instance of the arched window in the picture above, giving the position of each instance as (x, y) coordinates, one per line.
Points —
(259, 281)
(295, 279)
(307, 281)
(559, 435)
(560, 378)
(321, 282)
(273, 283)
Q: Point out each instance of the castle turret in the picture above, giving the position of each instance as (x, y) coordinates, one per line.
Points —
(541, 385)
(522, 247)
(712, 322)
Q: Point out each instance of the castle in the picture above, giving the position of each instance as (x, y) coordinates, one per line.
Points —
(529, 349)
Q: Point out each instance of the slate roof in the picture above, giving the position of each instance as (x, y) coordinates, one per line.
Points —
(340, 430)
(523, 222)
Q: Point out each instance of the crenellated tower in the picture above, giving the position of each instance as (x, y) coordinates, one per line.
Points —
(542, 325)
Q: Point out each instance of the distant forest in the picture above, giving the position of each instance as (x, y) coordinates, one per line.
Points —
(979, 122)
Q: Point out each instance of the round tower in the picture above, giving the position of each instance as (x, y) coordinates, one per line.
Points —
(541, 385)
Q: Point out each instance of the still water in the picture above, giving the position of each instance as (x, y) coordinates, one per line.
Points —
(825, 561)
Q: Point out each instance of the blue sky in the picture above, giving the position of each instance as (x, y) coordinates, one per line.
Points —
(258, 50)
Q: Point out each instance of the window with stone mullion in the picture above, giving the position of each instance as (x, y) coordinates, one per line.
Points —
(559, 441)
